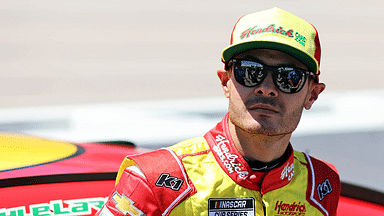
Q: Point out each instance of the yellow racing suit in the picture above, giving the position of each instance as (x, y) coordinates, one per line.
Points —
(208, 176)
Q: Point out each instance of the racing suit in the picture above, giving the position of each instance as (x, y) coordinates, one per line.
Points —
(208, 176)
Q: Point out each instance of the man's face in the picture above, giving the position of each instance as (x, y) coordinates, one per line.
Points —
(264, 109)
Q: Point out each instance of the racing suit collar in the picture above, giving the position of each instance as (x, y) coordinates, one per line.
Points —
(235, 166)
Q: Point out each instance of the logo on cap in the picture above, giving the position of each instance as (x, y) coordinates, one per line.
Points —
(252, 31)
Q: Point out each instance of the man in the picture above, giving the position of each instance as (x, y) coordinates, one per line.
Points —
(246, 164)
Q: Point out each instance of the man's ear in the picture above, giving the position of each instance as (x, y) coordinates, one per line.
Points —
(224, 77)
(314, 91)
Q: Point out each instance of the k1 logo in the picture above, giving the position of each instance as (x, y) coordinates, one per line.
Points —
(169, 182)
(323, 189)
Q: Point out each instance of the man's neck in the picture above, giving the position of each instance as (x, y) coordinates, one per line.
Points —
(259, 147)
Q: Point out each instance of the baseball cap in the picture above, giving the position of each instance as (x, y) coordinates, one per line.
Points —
(276, 29)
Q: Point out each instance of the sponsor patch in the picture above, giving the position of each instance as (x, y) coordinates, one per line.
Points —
(283, 208)
(288, 172)
(231, 207)
(324, 189)
(126, 205)
(165, 180)
(230, 161)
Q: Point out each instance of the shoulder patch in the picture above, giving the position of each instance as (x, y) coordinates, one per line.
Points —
(323, 186)
(126, 205)
(165, 180)
(166, 177)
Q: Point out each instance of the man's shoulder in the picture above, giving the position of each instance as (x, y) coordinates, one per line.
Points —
(323, 183)
(315, 164)
(165, 158)
(191, 146)
(159, 173)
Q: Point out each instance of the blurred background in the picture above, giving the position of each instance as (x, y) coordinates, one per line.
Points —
(91, 51)
(145, 71)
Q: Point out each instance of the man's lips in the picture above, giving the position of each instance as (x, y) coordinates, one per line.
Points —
(263, 108)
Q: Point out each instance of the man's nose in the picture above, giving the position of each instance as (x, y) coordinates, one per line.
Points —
(267, 87)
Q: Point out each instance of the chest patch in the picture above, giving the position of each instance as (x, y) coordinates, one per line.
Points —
(231, 207)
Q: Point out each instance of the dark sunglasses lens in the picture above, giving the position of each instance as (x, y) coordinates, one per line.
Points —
(248, 73)
(290, 80)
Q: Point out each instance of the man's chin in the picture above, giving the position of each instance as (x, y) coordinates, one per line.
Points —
(259, 129)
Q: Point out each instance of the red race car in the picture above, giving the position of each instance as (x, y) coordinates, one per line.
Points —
(47, 177)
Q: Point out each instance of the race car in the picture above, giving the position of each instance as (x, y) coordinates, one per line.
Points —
(48, 177)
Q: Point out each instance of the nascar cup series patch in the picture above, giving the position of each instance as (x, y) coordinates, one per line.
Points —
(231, 206)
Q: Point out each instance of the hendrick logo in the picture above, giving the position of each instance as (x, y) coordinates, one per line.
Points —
(290, 209)
(165, 180)
(271, 28)
(230, 161)
(323, 189)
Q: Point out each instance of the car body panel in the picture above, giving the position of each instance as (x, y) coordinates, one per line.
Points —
(48, 177)
(49, 157)
(65, 198)
(350, 206)
(61, 178)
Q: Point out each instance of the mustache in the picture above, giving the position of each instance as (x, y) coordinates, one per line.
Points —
(263, 100)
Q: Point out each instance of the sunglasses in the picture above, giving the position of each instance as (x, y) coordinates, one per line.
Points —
(287, 79)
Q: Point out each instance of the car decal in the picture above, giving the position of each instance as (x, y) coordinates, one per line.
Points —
(58, 207)
(21, 151)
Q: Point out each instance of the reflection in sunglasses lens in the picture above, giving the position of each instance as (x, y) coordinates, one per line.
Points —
(250, 74)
